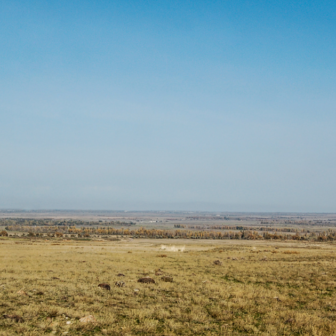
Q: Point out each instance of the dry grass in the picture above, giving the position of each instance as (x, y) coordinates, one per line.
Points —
(254, 291)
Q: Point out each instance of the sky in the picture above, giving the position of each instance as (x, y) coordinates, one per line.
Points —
(168, 105)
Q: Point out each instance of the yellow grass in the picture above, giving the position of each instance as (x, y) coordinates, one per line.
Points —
(254, 291)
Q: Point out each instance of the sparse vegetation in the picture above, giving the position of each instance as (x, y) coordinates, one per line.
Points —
(245, 233)
(49, 289)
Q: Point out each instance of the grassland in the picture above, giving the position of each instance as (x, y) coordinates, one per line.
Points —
(261, 288)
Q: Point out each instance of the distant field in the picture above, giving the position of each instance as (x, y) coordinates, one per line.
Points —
(258, 288)
(163, 225)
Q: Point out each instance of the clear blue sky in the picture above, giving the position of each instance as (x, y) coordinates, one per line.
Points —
(185, 105)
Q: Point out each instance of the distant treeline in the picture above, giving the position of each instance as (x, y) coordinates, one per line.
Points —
(329, 222)
(54, 222)
(241, 228)
(74, 231)
(265, 221)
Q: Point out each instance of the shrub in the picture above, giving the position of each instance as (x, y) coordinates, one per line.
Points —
(4, 233)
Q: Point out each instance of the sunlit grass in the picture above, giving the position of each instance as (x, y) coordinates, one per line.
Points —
(257, 290)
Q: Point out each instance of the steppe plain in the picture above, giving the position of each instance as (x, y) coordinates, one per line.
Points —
(47, 285)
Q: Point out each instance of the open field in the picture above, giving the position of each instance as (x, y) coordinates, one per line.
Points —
(261, 288)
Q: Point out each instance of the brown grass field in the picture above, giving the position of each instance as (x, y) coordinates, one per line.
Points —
(261, 288)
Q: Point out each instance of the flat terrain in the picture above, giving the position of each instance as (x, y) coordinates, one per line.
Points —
(261, 288)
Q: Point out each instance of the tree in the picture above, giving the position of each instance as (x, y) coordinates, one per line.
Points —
(4, 233)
